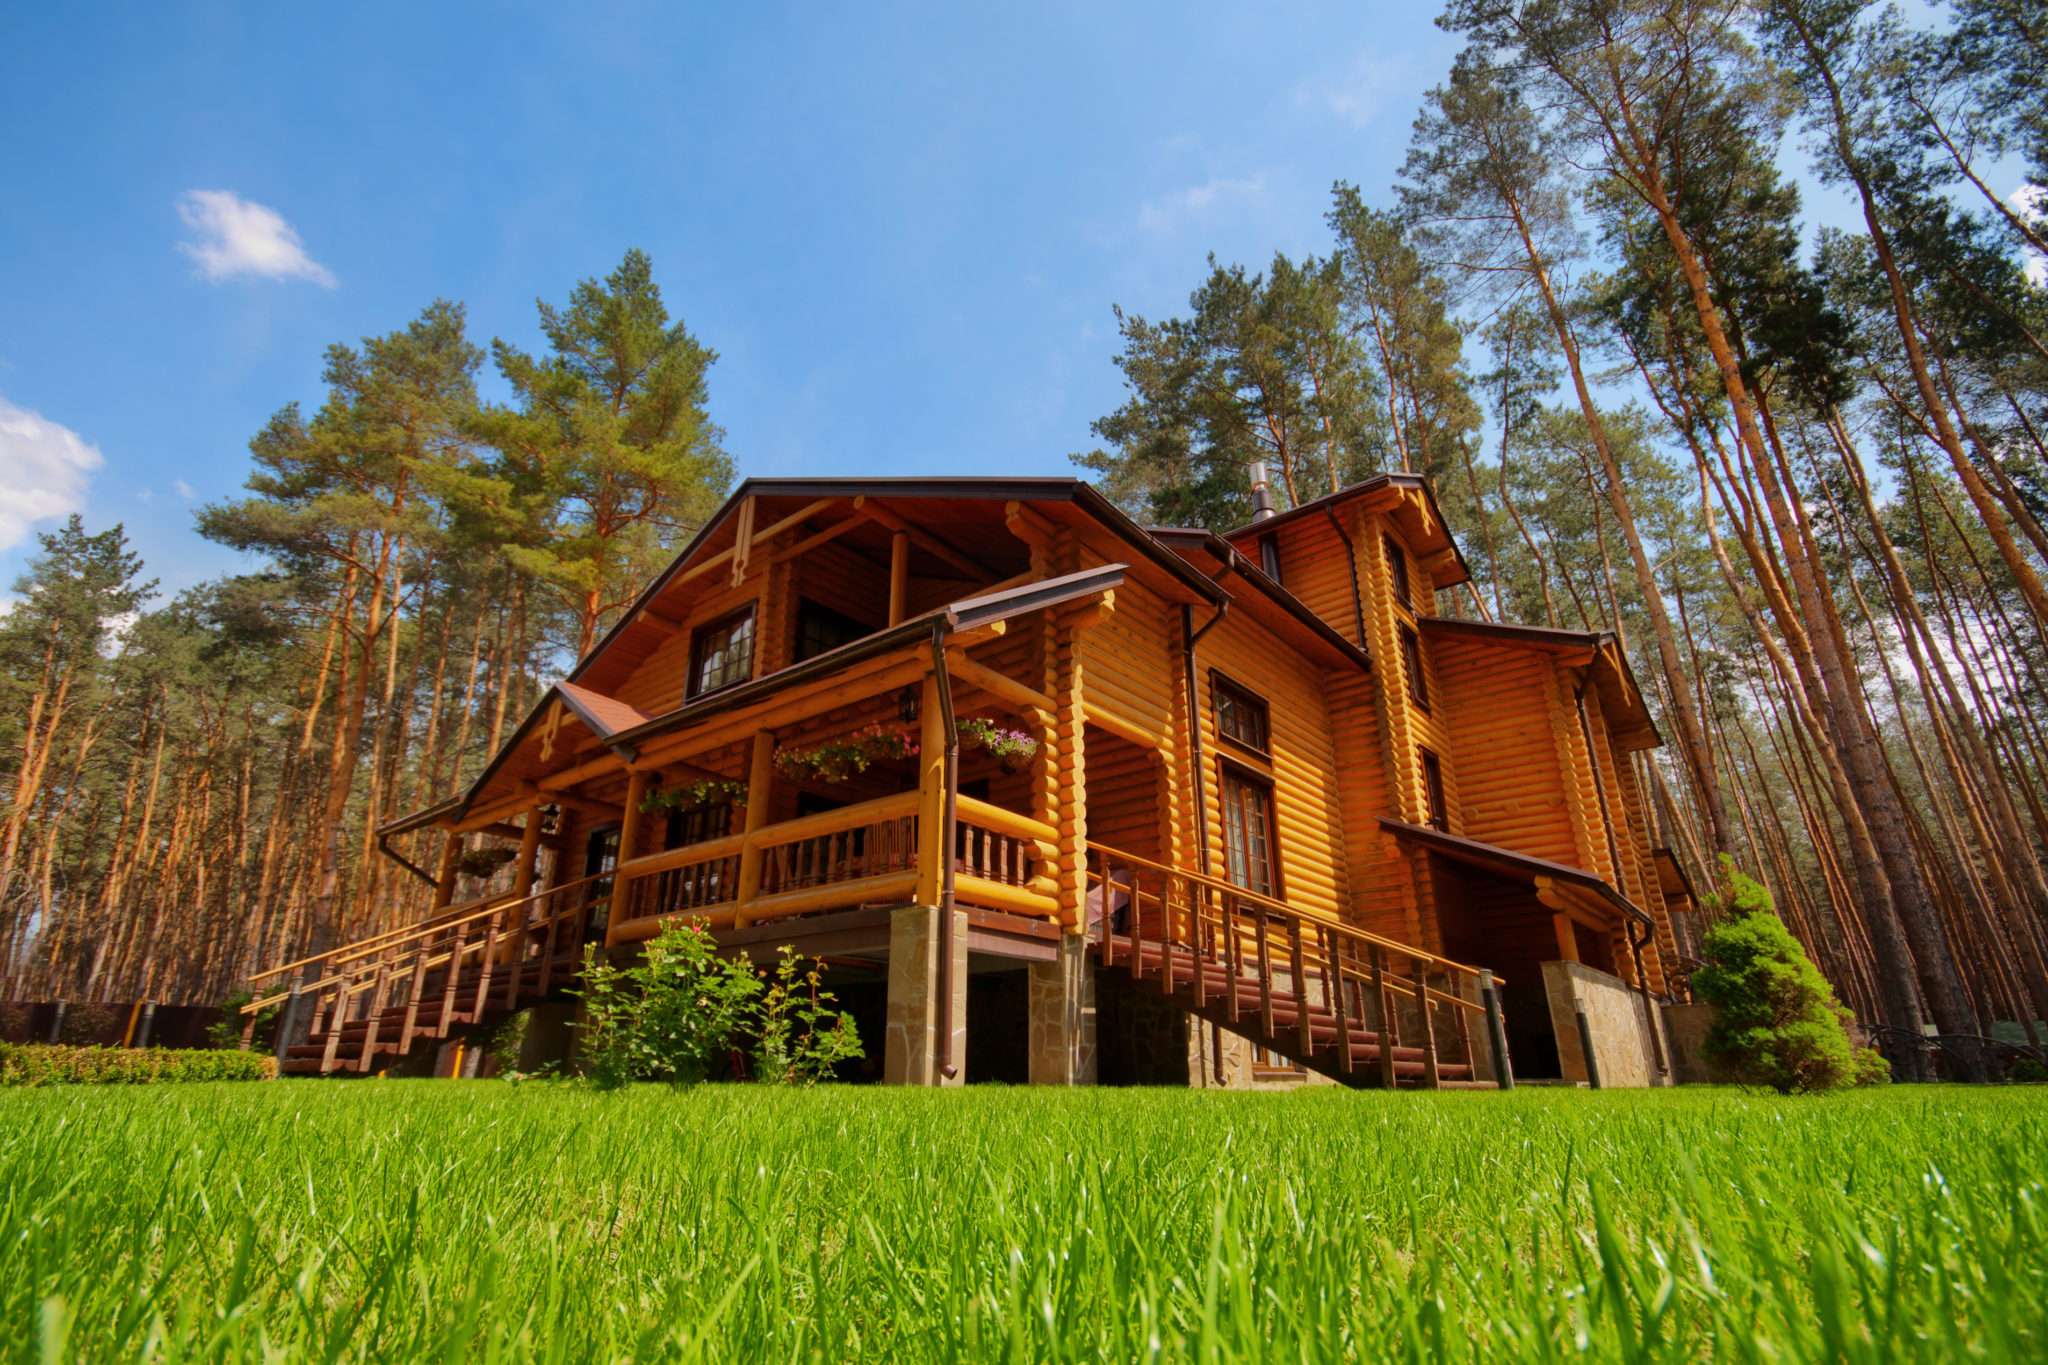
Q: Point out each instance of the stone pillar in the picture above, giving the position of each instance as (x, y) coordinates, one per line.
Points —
(910, 1051)
(1062, 1023)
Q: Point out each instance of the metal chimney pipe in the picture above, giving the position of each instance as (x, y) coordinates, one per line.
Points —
(1262, 493)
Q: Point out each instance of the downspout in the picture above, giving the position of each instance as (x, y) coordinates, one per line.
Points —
(948, 833)
(1351, 557)
(1190, 637)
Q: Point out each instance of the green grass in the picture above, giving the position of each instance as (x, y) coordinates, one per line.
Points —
(407, 1220)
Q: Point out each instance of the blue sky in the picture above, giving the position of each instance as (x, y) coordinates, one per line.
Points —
(902, 228)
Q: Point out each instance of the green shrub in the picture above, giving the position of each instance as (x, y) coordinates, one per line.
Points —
(682, 1014)
(1777, 1021)
(799, 1037)
(671, 1016)
(57, 1064)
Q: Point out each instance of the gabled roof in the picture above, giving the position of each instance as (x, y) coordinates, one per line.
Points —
(1079, 493)
(1227, 561)
(1436, 533)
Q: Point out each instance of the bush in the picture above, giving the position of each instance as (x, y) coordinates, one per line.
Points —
(56, 1064)
(1777, 1021)
(682, 1014)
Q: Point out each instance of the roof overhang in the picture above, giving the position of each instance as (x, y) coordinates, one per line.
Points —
(1597, 651)
(1432, 532)
(1270, 600)
(1558, 885)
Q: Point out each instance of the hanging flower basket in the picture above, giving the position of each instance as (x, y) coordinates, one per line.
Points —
(712, 791)
(837, 760)
(483, 863)
(1013, 749)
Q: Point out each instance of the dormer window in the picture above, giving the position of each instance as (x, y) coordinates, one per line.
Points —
(1397, 571)
(722, 653)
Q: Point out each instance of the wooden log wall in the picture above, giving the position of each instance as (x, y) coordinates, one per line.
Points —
(1511, 792)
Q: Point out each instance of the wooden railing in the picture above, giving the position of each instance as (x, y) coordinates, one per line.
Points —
(864, 854)
(1223, 945)
(450, 969)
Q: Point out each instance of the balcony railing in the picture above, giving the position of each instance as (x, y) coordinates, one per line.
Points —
(871, 853)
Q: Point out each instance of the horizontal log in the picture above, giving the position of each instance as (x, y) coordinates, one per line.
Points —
(1000, 896)
(888, 886)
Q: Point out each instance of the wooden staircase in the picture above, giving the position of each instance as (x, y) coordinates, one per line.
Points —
(1360, 1009)
(370, 1003)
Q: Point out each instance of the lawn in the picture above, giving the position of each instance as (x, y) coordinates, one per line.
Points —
(417, 1220)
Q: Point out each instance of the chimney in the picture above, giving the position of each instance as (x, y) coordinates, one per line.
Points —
(1262, 492)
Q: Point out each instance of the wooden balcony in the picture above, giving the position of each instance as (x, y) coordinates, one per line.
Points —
(871, 853)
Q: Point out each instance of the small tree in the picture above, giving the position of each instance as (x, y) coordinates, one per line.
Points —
(670, 1016)
(1777, 1021)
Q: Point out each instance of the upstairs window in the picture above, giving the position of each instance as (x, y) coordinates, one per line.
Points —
(1248, 832)
(820, 629)
(1241, 717)
(722, 653)
(1411, 664)
(1433, 791)
(1397, 571)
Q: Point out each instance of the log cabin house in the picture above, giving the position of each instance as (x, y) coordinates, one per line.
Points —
(1061, 799)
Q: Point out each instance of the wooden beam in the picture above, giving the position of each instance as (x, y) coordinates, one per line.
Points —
(999, 685)
(923, 539)
(444, 885)
(743, 541)
(1027, 525)
(931, 786)
(529, 848)
(1121, 728)
(899, 576)
(812, 542)
(723, 556)
(629, 841)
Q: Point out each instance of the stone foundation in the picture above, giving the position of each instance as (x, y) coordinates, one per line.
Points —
(910, 1052)
(1062, 1017)
(1619, 1021)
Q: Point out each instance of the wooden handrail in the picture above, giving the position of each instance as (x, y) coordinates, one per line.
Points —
(392, 939)
(1281, 907)
(359, 947)
(1005, 821)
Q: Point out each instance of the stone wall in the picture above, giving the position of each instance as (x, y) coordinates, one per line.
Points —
(1686, 1027)
(1620, 1021)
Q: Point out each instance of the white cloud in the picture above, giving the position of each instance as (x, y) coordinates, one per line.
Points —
(1360, 90)
(2031, 203)
(183, 489)
(1171, 210)
(239, 237)
(43, 471)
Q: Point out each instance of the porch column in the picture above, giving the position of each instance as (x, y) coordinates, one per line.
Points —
(760, 773)
(1062, 1016)
(899, 577)
(910, 1049)
(629, 849)
(931, 787)
(444, 884)
(1567, 937)
(529, 852)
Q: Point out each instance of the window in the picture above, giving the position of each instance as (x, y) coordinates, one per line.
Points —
(1248, 832)
(1397, 569)
(722, 653)
(1411, 664)
(819, 629)
(1433, 790)
(1240, 717)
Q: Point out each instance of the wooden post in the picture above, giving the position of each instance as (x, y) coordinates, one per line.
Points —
(529, 851)
(629, 848)
(1429, 1067)
(1385, 998)
(760, 774)
(1496, 1032)
(931, 816)
(444, 885)
(1567, 937)
(899, 577)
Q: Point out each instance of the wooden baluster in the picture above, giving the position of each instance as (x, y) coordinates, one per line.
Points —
(1333, 986)
(454, 982)
(547, 952)
(1233, 953)
(1166, 934)
(1299, 969)
(1195, 953)
(1263, 946)
(412, 997)
(1429, 1073)
(1464, 1036)
(1384, 995)
(485, 970)
(518, 956)
(374, 1023)
(337, 1019)
(1137, 923)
